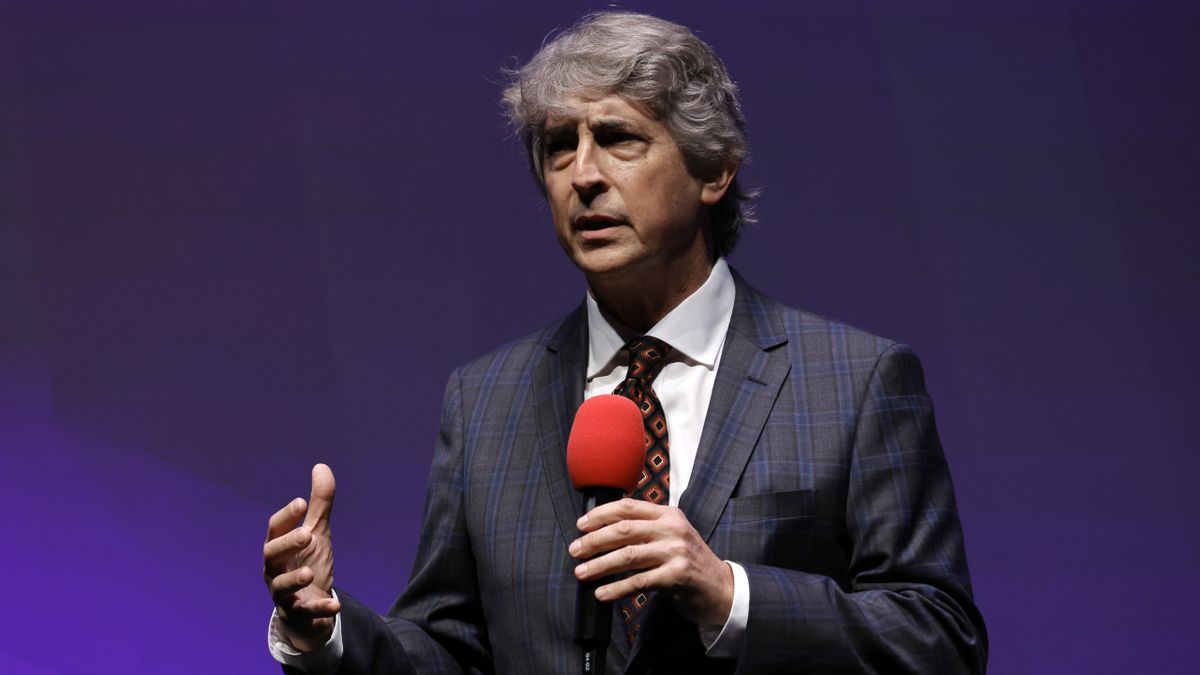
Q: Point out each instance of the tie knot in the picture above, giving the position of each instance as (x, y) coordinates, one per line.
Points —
(647, 356)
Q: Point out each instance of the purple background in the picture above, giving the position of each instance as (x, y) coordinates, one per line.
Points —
(237, 238)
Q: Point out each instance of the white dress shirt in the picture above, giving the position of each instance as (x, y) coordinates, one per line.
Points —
(696, 329)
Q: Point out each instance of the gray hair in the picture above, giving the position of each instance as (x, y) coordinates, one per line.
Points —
(658, 65)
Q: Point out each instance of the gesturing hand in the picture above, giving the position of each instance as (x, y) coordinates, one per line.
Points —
(298, 564)
(664, 548)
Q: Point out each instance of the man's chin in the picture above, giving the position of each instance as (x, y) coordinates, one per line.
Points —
(604, 264)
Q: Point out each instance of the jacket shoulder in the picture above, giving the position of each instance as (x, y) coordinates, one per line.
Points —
(806, 333)
(521, 355)
(826, 350)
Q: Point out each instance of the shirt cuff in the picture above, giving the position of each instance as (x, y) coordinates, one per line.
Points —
(321, 661)
(726, 642)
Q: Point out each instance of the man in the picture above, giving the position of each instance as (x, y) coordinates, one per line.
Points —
(796, 512)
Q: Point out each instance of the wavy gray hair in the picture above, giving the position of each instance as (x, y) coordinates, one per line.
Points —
(654, 63)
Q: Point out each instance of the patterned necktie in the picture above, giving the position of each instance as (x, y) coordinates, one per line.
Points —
(647, 356)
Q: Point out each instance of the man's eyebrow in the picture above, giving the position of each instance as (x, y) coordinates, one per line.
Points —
(559, 128)
(611, 124)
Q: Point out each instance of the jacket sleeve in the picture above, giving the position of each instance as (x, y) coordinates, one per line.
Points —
(437, 624)
(907, 607)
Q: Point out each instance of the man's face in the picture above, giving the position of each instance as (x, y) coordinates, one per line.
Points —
(621, 198)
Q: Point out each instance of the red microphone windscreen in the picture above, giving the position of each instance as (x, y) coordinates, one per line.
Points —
(607, 447)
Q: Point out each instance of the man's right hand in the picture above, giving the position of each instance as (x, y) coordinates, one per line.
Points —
(298, 564)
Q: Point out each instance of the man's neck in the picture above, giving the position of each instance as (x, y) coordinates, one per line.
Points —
(639, 301)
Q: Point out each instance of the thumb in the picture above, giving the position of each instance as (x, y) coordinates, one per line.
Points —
(320, 502)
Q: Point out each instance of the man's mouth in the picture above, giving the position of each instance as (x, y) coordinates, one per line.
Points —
(593, 223)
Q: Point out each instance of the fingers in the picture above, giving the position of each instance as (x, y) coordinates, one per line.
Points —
(320, 502)
(303, 599)
(624, 559)
(283, 586)
(280, 550)
(286, 592)
(623, 546)
(285, 519)
(661, 550)
(693, 572)
(631, 585)
(282, 540)
(625, 522)
(622, 509)
(701, 593)
(656, 542)
(609, 537)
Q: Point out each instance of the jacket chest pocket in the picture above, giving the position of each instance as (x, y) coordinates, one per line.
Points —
(780, 529)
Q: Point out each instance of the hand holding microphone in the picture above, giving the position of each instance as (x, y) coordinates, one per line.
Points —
(605, 454)
(655, 544)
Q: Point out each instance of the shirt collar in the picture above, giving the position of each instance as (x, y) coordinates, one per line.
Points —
(695, 328)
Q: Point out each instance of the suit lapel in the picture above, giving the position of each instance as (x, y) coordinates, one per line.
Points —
(750, 374)
(558, 392)
(749, 377)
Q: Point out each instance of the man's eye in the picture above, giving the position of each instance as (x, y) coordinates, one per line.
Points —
(619, 139)
(557, 147)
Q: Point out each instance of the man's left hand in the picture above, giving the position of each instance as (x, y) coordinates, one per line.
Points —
(665, 551)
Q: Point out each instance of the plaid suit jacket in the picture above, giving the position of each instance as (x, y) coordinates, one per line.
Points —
(819, 470)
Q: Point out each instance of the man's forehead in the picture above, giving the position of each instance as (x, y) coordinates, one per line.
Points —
(609, 111)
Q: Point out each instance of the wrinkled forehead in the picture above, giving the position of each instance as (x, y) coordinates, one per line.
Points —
(572, 110)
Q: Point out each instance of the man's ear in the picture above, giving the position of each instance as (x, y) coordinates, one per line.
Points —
(714, 189)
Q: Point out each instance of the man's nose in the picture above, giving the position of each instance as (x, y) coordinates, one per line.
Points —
(586, 176)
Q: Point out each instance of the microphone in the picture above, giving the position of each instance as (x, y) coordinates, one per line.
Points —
(605, 456)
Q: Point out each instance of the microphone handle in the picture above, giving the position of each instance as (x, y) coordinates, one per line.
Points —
(593, 660)
(593, 619)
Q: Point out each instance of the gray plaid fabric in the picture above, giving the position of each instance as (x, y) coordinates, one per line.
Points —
(819, 470)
